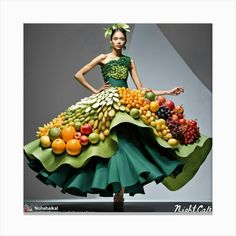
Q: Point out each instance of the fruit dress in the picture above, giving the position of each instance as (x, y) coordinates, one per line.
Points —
(131, 152)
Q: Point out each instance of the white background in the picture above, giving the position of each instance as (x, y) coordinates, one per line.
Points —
(15, 13)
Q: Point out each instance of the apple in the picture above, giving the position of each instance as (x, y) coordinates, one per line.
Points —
(77, 135)
(170, 104)
(54, 133)
(78, 125)
(161, 100)
(160, 103)
(94, 138)
(182, 121)
(84, 140)
(150, 95)
(86, 129)
(134, 112)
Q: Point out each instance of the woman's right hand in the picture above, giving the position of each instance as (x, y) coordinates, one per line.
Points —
(104, 87)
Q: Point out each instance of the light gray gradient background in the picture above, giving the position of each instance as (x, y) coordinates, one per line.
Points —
(166, 55)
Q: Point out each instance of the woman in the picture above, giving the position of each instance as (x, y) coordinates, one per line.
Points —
(128, 155)
(118, 40)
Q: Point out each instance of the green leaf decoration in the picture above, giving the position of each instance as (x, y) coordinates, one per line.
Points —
(192, 164)
(124, 26)
(108, 31)
(51, 161)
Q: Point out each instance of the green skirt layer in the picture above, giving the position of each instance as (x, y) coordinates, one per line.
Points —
(130, 157)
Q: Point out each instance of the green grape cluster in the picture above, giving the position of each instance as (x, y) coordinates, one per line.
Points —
(118, 72)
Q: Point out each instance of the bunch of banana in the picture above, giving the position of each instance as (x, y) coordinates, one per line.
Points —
(97, 110)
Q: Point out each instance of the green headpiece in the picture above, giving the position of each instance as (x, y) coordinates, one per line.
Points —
(109, 30)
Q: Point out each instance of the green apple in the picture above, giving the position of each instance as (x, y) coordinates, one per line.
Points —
(77, 125)
(94, 138)
(54, 133)
(150, 96)
(134, 112)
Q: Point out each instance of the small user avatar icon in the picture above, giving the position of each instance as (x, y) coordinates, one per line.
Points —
(28, 208)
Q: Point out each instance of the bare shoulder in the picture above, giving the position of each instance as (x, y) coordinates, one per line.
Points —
(102, 56)
(132, 63)
(98, 59)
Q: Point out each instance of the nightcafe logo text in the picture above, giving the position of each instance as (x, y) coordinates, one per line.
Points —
(193, 208)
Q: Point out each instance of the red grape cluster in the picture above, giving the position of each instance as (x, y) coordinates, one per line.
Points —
(175, 131)
(190, 131)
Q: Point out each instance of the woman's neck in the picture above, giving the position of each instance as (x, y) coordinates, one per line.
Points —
(116, 53)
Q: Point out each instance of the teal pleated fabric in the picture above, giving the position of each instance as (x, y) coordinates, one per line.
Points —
(137, 162)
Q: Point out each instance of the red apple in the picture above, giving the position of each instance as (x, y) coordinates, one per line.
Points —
(86, 129)
(170, 104)
(77, 135)
(161, 99)
(182, 121)
(84, 140)
(160, 103)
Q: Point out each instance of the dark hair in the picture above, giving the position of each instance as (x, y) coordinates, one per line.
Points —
(119, 30)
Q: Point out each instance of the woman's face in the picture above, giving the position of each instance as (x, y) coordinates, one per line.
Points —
(118, 40)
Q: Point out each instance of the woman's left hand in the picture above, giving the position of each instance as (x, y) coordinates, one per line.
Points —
(176, 91)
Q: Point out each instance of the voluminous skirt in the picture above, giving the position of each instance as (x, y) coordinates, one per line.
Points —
(106, 141)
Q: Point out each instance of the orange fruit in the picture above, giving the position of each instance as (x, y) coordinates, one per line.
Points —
(58, 146)
(68, 133)
(73, 147)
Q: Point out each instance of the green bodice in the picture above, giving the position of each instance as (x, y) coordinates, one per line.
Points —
(117, 71)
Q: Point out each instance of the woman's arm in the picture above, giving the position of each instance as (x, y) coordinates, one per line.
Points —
(174, 91)
(134, 76)
(138, 84)
(79, 75)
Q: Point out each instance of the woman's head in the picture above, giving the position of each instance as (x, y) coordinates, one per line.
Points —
(118, 38)
(119, 30)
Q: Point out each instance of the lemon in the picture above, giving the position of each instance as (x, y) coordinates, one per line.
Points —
(173, 142)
